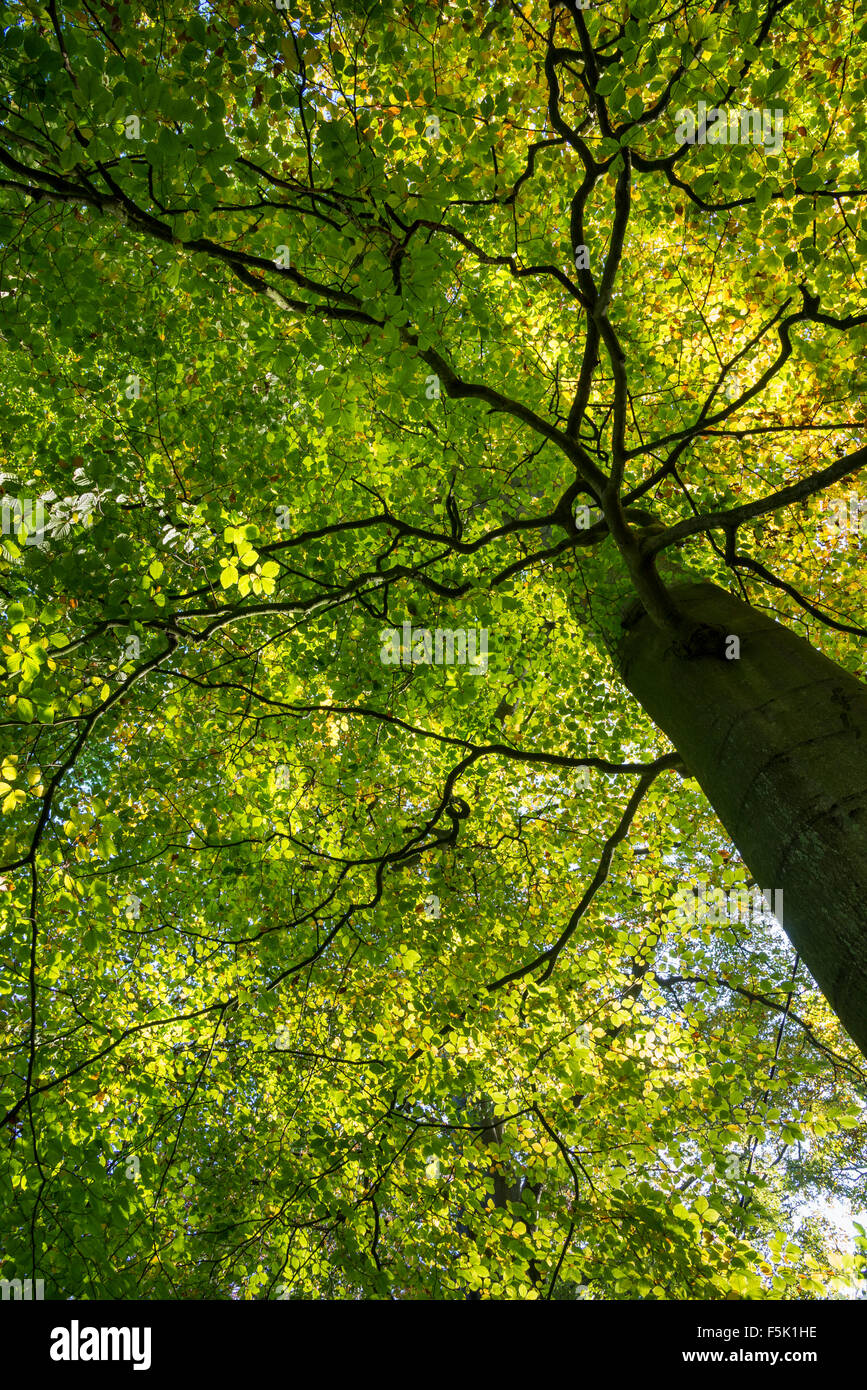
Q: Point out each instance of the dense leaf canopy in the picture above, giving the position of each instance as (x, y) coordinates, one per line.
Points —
(330, 975)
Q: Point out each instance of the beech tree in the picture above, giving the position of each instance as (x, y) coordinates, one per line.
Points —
(434, 800)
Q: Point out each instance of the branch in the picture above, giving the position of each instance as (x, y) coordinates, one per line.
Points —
(549, 957)
(795, 492)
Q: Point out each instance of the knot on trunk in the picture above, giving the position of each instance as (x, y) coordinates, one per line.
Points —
(700, 639)
(690, 639)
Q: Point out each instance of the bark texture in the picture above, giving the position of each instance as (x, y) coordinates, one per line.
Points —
(777, 739)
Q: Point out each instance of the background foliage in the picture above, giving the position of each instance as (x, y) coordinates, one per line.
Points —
(238, 1056)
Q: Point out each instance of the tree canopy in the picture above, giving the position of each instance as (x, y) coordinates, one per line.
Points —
(363, 936)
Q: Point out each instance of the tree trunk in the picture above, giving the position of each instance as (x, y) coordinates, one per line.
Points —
(777, 739)
(504, 1191)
